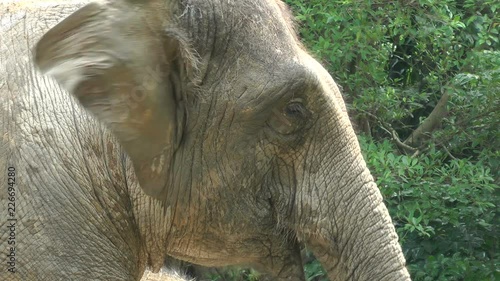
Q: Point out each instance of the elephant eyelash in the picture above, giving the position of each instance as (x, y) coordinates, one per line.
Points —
(295, 109)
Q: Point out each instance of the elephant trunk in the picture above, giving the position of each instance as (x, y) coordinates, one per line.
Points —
(348, 227)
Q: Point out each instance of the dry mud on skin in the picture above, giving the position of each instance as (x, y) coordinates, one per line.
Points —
(40, 2)
(15, 8)
(11, 7)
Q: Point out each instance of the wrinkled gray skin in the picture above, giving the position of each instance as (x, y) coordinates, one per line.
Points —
(197, 129)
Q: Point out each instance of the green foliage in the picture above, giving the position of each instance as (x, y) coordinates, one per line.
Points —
(313, 270)
(234, 274)
(471, 129)
(445, 212)
(395, 59)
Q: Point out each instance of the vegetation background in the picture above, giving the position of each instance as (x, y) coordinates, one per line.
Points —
(422, 82)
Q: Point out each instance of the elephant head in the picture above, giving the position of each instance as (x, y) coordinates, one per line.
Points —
(228, 120)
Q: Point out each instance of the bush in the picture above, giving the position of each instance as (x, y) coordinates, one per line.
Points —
(444, 211)
(395, 60)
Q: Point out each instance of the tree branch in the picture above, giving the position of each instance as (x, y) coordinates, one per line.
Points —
(431, 123)
(393, 134)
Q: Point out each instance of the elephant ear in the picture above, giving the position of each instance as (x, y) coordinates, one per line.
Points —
(125, 69)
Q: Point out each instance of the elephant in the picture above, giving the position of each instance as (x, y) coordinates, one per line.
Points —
(202, 130)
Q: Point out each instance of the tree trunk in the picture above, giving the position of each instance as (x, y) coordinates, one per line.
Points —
(431, 123)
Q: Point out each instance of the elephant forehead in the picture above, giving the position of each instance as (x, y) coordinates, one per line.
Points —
(261, 29)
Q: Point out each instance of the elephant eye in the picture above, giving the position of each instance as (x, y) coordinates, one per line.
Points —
(290, 119)
(295, 109)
